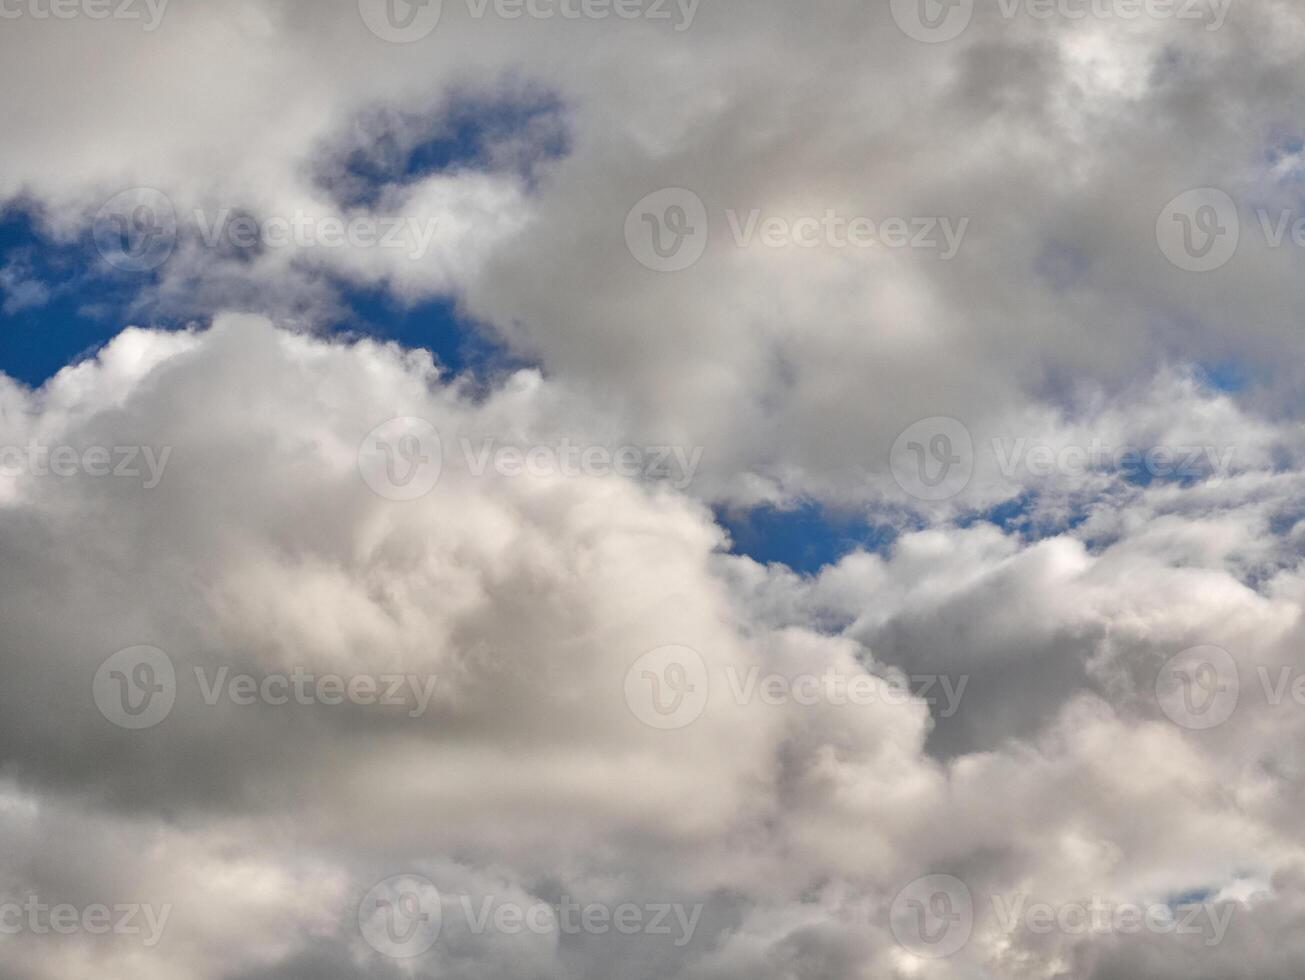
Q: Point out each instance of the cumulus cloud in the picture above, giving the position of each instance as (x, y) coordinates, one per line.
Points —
(814, 779)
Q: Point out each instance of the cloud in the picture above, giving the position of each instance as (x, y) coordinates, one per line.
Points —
(790, 811)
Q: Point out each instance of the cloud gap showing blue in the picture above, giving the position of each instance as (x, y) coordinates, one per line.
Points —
(806, 538)
(514, 131)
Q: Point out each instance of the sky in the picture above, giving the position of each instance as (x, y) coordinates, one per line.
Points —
(657, 489)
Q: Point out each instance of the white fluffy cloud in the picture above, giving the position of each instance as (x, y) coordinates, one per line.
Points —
(792, 817)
